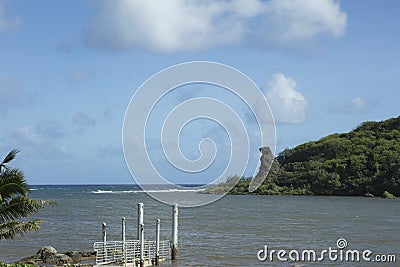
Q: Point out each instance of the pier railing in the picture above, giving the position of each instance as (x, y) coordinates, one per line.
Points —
(139, 251)
(129, 251)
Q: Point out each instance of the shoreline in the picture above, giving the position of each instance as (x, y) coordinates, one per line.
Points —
(48, 255)
(384, 196)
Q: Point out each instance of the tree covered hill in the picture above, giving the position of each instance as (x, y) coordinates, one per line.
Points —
(363, 161)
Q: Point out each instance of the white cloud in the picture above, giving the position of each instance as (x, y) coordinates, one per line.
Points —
(108, 114)
(288, 105)
(82, 119)
(12, 95)
(359, 104)
(356, 105)
(39, 140)
(28, 136)
(301, 20)
(183, 25)
(49, 129)
(7, 24)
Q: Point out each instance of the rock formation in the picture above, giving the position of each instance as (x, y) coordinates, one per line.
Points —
(48, 255)
(269, 168)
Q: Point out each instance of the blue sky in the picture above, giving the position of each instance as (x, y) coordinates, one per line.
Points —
(68, 70)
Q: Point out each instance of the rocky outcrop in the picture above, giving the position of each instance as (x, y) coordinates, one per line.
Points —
(266, 160)
(268, 166)
(78, 256)
(268, 171)
(48, 255)
(388, 195)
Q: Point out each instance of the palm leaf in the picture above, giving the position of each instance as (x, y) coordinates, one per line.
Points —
(19, 207)
(11, 229)
(14, 201)
(12, 182)
(10, 156)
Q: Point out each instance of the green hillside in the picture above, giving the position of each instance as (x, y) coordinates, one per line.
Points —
(363, 161)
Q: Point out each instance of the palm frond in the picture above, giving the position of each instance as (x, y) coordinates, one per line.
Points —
(14, 201)
(19, 207)
(10, 156)
(12, 182)
(11, 229)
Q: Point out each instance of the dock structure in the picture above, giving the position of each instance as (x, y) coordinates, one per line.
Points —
(139, 252)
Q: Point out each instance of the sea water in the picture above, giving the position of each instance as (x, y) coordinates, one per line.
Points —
(229, 232)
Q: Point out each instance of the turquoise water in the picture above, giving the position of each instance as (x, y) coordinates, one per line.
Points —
(228, 232)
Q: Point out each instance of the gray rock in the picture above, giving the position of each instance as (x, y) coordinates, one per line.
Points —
(49, 256)
(45, 253)
(32, 260)
(368, 195)
(63, 259)
(267, 165)
(76, 256)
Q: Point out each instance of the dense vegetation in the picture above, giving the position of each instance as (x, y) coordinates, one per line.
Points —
(363, 161)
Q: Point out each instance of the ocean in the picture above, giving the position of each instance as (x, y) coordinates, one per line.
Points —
(233, 231)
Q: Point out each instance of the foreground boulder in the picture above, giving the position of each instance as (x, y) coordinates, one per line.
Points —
(46, 253)
(49, 255)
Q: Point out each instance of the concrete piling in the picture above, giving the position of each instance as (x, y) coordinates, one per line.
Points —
(141, 240)
(174, 249)
(123, 232)
(139, 219)
(157, 259)
(104, 232)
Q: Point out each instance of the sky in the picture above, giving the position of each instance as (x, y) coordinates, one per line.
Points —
(69, 69)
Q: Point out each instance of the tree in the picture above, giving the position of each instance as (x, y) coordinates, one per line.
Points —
(15, 203)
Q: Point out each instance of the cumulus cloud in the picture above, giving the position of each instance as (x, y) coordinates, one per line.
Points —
(184, 25)
(49, 129)
(39, 140)
(288, 105)
(27, 136)
(356, 105)
(108, 114)
(7, 24)
(82, 119)
(12, 95)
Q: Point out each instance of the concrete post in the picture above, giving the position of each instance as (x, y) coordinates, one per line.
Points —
(104, 233)
(141, 240)
(139, 219)
(124, 238)
(157, 241)
(123, 229)
(174, 251)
